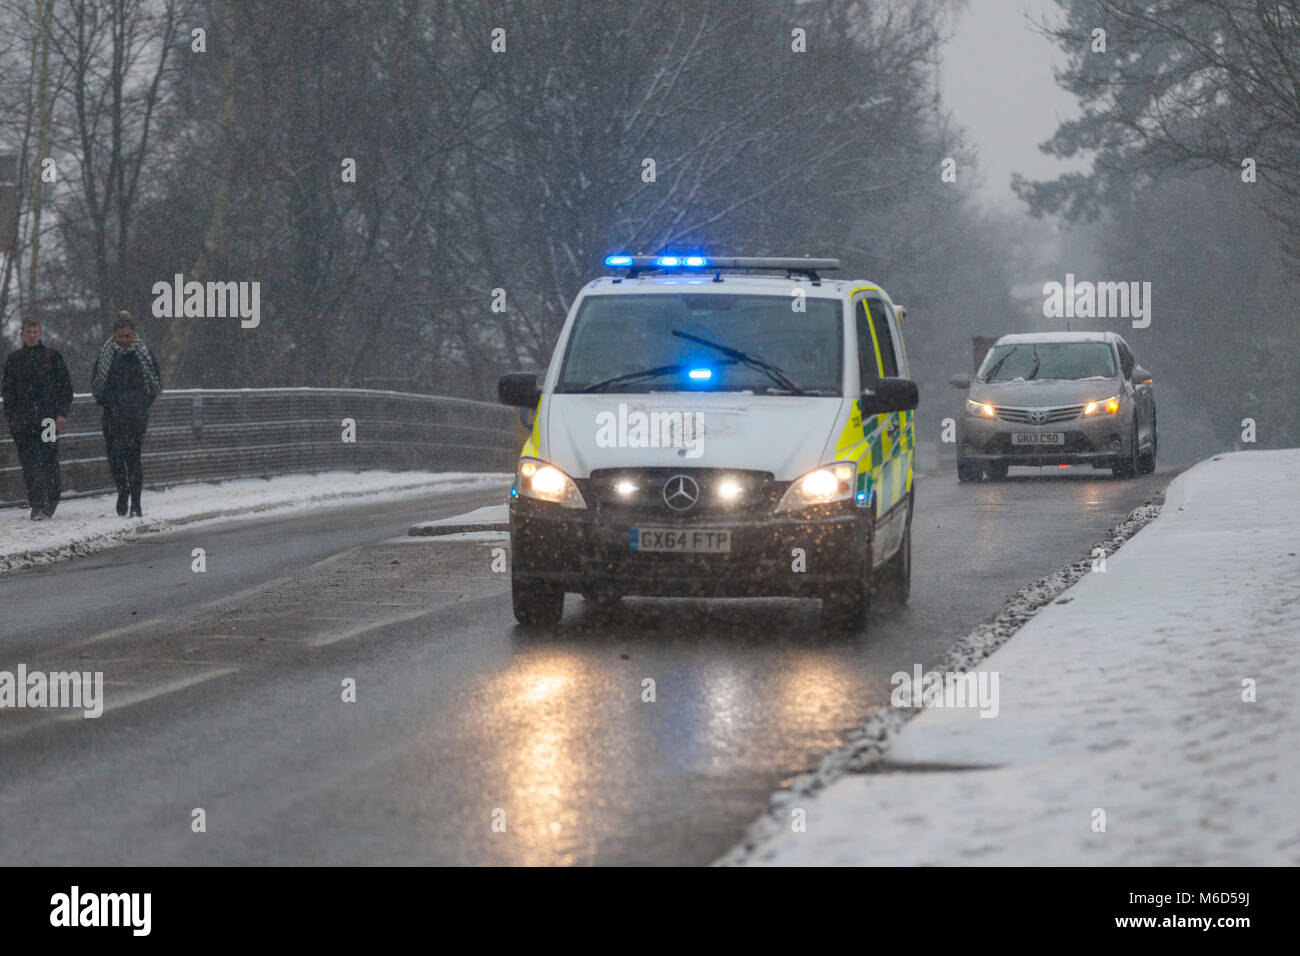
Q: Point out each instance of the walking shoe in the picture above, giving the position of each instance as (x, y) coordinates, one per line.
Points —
(121, 503)
(135, 510)
(38, 514)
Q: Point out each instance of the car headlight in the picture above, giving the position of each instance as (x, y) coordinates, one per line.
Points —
(535, 478)
(980, 409)
(820, 486)
(1104, 406)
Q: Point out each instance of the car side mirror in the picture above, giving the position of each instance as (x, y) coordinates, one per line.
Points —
(519, 389)
(960, 381)
(889, 395)
(1140, 376)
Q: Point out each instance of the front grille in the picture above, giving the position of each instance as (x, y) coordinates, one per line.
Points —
(1025, 416)
(759, 492)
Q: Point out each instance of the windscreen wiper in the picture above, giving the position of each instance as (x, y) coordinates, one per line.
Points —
(744, 358)
(1037, 365)
(997, 366)
(659, 370)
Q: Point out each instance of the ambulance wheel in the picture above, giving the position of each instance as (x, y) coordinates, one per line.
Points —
(844, 609)
(536, 603)
(895, 581)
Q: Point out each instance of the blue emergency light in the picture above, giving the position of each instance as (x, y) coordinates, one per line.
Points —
(701, 374)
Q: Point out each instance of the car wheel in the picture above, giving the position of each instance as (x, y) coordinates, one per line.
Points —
(997, 470)
(895, 580)
(968, 472)
(1127, 467)
(1147, 463)
(536, 603)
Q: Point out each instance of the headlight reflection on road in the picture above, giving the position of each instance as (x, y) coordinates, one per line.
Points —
(542, 764)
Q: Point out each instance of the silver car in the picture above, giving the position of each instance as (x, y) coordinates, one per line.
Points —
(1057, 398)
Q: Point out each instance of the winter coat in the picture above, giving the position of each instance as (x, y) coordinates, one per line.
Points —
(36, 386)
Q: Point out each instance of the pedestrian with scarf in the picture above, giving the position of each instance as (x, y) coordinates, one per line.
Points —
(37, 393)
(125, 381)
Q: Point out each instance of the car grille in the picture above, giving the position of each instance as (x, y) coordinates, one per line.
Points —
(759, 492)
(1038, 416)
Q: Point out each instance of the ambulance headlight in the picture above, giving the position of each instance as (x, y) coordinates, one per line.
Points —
(820, 486)
(537, 479)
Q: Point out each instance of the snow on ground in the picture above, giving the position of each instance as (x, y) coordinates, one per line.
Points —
(494, 517)
(85, 525)
(1125, 695)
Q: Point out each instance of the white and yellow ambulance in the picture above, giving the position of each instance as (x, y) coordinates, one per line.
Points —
(717, 427)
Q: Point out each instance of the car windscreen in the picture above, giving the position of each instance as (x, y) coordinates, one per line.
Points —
(617, 336)
(1047, 360)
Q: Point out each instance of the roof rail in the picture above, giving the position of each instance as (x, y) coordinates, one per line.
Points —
(791, 265)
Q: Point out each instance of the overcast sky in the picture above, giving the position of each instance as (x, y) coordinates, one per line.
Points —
(996, 79)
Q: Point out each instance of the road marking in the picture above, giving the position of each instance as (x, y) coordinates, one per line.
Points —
(116, 632)
(152, 692)
(366, 628)
(334, 557)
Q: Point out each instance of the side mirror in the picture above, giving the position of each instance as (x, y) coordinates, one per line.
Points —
(519, 389)
(1141, 376)
(900, 313)
(889, 395)
(960, 381)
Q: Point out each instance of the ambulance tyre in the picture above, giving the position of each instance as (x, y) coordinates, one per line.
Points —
(536, 603)
(895, 578)
(844, 610)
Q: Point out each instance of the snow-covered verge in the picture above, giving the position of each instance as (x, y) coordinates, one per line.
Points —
(492, 518)
(1150, 716)
(85, 525)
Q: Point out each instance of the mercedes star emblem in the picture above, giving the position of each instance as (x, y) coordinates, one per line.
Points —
(681, 492)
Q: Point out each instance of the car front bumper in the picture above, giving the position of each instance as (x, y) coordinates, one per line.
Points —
(1098, 441)
(585, 550)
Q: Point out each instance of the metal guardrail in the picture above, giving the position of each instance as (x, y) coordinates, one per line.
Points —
(205, 434)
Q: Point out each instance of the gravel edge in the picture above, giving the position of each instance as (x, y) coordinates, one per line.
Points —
(870, 741)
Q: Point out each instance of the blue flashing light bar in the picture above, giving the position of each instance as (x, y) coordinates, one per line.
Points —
(701, 374)
(618, 261)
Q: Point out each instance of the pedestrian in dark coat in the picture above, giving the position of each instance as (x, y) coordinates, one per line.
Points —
(37, 394)
(125, 381)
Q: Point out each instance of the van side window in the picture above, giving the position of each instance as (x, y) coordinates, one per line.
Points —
(868, 375)
(888, 357)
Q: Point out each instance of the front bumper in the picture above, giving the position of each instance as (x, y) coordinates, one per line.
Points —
(587, 550)
(1096, 441)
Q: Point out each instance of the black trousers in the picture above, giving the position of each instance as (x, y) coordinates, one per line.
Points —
(123, 435)
(40, 461)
